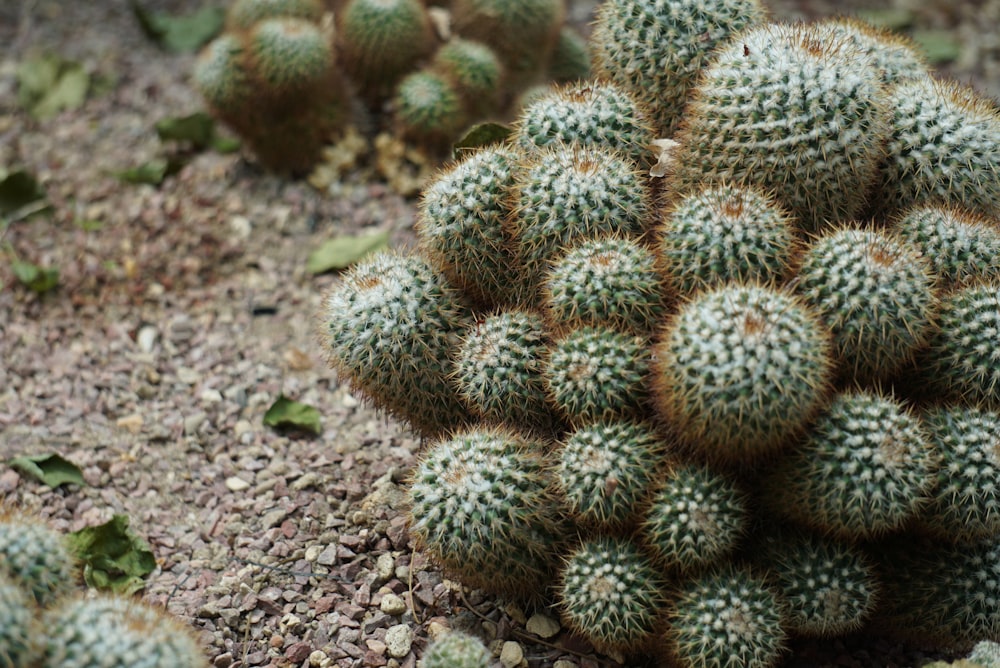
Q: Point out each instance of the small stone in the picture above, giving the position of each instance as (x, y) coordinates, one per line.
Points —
(319, 659)
(240, 226)
(146, 338)
(392, 605)
(563, 663)
(223, 660)
(242, 427)
(349, 401)
(306, 480)
(328, 557)
(237, 484)
(511, 655)
(385, 566)
(398, 640)
(298, 652)
(435, 628)
(276, 641)
(516, 613)
(193, 422)
(542, 626)
(131, 423)
(211, 396)
(313, 552)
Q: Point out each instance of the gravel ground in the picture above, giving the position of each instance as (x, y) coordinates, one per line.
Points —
(184, 317)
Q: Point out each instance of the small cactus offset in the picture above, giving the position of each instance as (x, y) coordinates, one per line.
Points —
(454, 649)
(35, 557)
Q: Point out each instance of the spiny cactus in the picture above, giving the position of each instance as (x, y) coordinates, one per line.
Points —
(428, 107)
(830, 586)
(591, 113)
(498, 370)
(18, 635)
(605, 469)
(727, 617)
(35, 557)
(460, 225)
(963, 359)
(895, 56)
(568, 193)
(865, 469)
(597, 373)
(482, 506)
(243, 14)
(875, 292)
(965, 501)
(655, 50)
(396, 309)
(289, 57)
(476, 72)
(725, 233)
(381, 40)
(522, 32)
(116, 633)
(612, 281)
(611, 594)
(740, 369)
(695, 518)
(223, 78)
(943, 147)
(962, 246)
(454, 649)
(792, 109)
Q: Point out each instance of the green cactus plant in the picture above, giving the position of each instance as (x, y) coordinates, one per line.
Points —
(695, 518)
(498, 370)
(460, 225)
(597, 373)
(570, 58)
(396, 309)
(896, 57)
(866, 468)
(611, 594)
(965, 502)
(428, 108)
(243, 14)
(482, 505)
(116, 633)
(455, 649)
(725, 233)
(830, 586)
(728, 616)
(962, 359)
(612, 282)
(739, 370)
(522, 32)
(588, 113)
(605, 469)
(792, 109)
(655, 50)
(566, 194)
(961, 246)
(876, 294)
(35, 557)
(476, 71)
(381, 41)
(222, 76)
(943, 146)
(290, 58)
(18, 635)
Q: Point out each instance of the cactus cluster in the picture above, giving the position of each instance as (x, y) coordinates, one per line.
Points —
(47, 622)
(289, 76)
(752, 400)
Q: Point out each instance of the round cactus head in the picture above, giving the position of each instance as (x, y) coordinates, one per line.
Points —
(222, 77)
(655, 50)
(289, 56)
(806, 122)
(428, 108)
(611, 594)
(895, 56)
(454, 649)
(35, 557)
(475, 70)
(740, 369)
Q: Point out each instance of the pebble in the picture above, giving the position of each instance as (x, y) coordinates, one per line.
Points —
(398, 640)
(511, 655)
(563, 663)
(211, 396)
(313, 552)
(392, 605)
(319, 659)
(542, 626)
(236, 484)
(193, 421)
(349, 401)
(385, 566)
(131, 423)
(146, 338)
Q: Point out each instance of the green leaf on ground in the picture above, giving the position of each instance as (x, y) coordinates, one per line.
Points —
(287, 414)
(114, 558)
(35, 278)
(89, 225)
(52, 470)
(180, 34)
(939, 46)
(197, 128)
(18, 188)
(152, 172)
(49, 84)
(481, 135)
(341, 252)
(891, 18)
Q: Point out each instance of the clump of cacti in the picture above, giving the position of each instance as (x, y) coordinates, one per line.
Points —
(47, 621)
(744, 395)
(290, 76)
